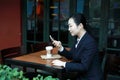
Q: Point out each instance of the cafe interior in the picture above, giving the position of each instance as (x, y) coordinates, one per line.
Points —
(25, 27)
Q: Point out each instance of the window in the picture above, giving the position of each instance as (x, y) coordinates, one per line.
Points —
(42, 18)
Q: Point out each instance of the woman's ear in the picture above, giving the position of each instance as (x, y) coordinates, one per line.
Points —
(80, 25)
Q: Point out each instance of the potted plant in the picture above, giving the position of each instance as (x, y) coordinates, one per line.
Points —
(40, 77)
(8, 73)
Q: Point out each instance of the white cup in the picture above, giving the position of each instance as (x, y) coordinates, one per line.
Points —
(48, 49)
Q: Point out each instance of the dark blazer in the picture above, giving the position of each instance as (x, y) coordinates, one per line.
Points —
(85, 59)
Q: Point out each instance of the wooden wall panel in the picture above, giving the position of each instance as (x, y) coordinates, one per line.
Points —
(10, 23)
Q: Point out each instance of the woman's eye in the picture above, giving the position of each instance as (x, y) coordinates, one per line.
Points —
(70, 26)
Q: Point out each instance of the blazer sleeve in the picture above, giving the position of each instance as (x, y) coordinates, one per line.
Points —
(67, 54)
(87, 55)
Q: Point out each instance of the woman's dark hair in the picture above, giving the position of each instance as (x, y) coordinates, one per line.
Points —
(79, 18)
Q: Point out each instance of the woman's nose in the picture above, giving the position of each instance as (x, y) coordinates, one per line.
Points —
(68, 29)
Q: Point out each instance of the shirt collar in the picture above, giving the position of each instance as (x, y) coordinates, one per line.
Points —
(78, 39)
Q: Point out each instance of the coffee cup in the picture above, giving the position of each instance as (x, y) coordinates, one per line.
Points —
(48, 49)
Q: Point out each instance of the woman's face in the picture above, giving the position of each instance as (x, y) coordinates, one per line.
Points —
(73, 28)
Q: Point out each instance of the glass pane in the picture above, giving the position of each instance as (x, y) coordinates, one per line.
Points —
(30, 19)
(54, 18)
(94, 17)
(64, 32)
(64, 15)
(94, 29)
(54, 29)
(115, 17)
(35, 20)
(64, 9)
(59, 13)
(39, 21)
(114, 24)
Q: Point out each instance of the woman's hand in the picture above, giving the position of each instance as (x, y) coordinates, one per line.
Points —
(58, 63)
(57, 44)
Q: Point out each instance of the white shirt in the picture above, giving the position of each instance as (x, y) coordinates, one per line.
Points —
(78, 40)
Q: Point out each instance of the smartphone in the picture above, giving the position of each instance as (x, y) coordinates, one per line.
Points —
(52, 39)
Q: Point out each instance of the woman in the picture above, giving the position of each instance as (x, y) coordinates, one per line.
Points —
(83, 54)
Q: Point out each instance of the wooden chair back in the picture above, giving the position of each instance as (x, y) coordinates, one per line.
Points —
(113, 64)
(10, 52)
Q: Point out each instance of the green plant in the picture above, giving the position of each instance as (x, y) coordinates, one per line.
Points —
(40, 77)
(8, 73)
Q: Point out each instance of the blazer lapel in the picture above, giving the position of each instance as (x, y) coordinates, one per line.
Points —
(81, 41)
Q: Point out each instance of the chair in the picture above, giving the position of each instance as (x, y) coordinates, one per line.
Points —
(10, 53)
(39, 46)
(112, 66)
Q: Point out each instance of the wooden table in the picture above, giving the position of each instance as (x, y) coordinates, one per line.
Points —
(35, 61)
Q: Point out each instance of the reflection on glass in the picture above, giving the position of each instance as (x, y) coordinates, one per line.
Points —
(59, 13)
(35, 20)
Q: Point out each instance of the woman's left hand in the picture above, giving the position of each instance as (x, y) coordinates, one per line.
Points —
(58, 63)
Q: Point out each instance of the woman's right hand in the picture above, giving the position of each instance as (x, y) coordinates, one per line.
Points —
(57, 44)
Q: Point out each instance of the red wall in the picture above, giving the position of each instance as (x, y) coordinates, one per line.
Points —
(10, 23)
